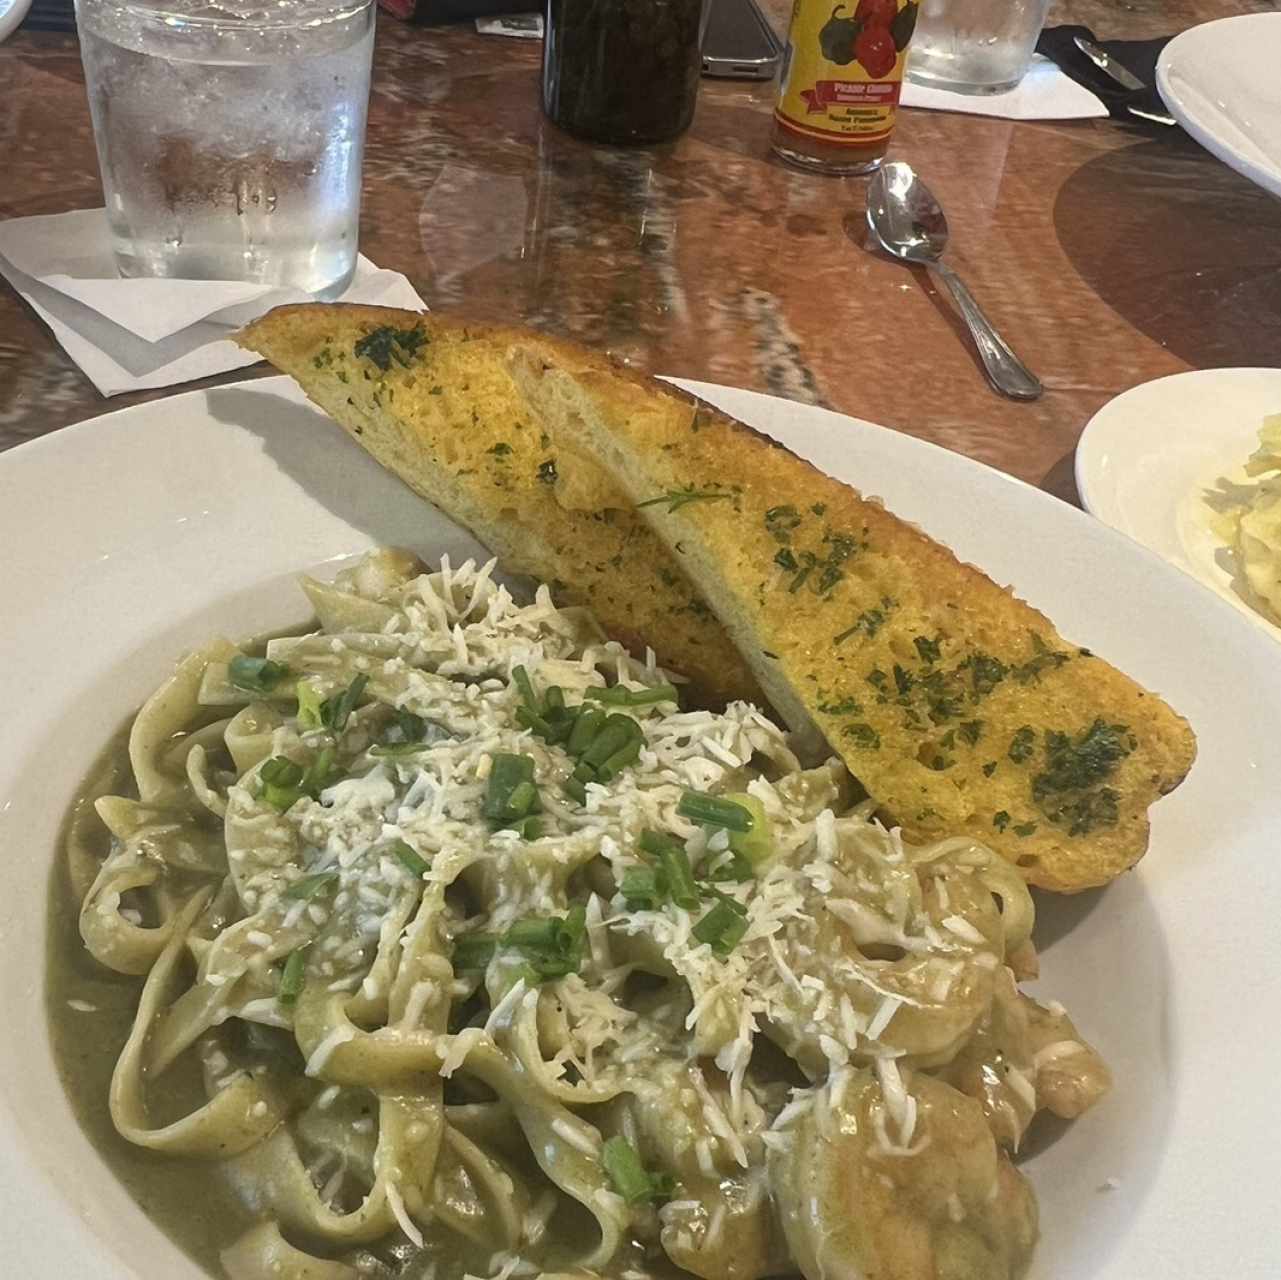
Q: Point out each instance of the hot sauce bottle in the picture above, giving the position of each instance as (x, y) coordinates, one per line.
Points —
(842, 73)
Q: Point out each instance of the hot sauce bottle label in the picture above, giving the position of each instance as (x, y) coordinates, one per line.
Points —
(844, 68)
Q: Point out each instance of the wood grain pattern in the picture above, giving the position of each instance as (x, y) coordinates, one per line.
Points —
(1109, 255)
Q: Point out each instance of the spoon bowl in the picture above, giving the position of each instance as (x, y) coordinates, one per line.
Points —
(906, 219)
(910, 225)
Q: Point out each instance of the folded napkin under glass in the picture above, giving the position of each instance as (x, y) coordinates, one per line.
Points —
(1044, 93)
(130, 334)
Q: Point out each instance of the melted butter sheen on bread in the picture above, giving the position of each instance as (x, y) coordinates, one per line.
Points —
(432, 400)
(959, 707)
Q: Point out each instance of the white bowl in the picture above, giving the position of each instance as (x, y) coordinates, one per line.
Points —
(135, 535)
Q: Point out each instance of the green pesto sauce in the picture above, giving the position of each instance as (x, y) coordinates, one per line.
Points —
(186, 1198)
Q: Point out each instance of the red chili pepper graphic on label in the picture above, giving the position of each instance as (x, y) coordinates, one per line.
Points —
(874, 48)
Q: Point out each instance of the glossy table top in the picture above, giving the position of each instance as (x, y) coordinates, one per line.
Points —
(1107, 254)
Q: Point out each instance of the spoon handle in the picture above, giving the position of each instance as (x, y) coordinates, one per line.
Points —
(1007, 373)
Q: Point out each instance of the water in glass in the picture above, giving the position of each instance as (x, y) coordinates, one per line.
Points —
(230, 135)
(975, 46)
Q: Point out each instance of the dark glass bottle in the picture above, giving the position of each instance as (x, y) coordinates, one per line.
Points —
(622, 71)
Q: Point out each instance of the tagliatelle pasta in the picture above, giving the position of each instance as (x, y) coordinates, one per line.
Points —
(489, 959)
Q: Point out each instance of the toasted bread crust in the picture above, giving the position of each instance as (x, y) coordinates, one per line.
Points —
(959, 707)
(445, 416)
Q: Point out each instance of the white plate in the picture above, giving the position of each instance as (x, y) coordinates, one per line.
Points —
(1222, 83)
(135, 534)
(1147, 460)
(12, 13)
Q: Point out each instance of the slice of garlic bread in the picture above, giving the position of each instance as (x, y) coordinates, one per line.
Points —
(433, 401)
(959, 707)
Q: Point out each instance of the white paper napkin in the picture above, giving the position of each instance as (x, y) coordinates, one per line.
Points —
(130, 334)
(1045, 93)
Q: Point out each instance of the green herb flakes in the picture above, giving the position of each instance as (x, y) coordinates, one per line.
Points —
(780, 521)
(862, 735)
(927, 648)
(385, 344)
(845, 707)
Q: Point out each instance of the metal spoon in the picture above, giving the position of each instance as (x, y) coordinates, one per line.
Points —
(909, 224)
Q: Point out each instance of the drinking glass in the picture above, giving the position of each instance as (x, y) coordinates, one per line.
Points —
(975, 46)
(230, 135)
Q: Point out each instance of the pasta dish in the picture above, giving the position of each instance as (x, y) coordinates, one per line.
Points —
(466, 950)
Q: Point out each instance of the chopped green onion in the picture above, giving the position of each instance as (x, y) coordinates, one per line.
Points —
(576, 921)
(397, 748)
(312, 886)
(554, 699)
(755, 844)
(551, 946)
(309, 706)
(714, 811)
(559, 729)
(674, 862)
(409, 858)
(335, 711)
(532, 721)
(509, 788)
(291, 980)
(474, 951)
(631, 1181)
(282, 799)
(281, 771)
(728, 899)
(545, 968)
(535, 931)
(619, 696)
(723, 926)
(525, 687)
(523, 799)
(528, 828)
(412, 728)
(586, 727)
(255, 675)
(614, 735)
(322, 772)
(280, 779)
(627, 754)
(642, 889)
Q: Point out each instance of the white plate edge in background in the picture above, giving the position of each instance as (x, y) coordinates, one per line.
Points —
(1148, 488)
(1191, 103)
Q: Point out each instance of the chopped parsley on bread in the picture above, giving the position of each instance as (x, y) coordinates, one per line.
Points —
(432, 400)
(958, 707)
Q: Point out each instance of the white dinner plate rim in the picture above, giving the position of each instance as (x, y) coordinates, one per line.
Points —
(12, 13)
(937, 488)
(1263, 172)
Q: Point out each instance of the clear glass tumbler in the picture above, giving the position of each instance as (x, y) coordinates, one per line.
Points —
(975, 46)
(230, 135)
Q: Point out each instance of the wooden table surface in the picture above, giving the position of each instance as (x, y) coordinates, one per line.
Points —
(1108, 255)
